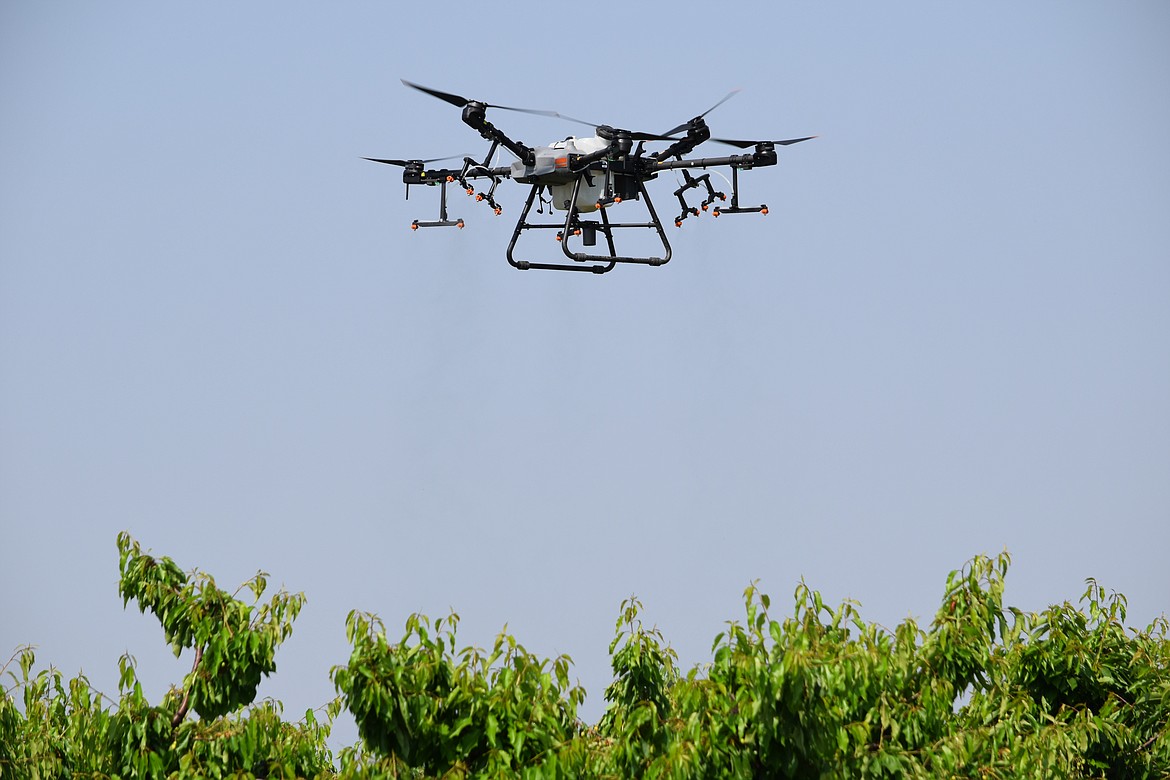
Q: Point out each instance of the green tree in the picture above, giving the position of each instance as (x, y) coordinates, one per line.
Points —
(65, 728)
(421, 702)
(235, 643)
(984, 691)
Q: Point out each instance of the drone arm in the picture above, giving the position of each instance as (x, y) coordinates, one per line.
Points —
(440, 175)
(475, 117)
(414, 173)
(696, 135)
(582, 162)
(744, 161)
(765, 154)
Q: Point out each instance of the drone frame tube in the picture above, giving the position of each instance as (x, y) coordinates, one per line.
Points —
(608, 227)
(522, 225)
(583, 261)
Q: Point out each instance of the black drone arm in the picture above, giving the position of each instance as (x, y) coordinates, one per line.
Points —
(420, 175)
(475, 117)
(581, 162)
(696, 135)
(765, 154)
(414, 172)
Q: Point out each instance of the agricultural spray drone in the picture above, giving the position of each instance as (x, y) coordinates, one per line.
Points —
(588, 176)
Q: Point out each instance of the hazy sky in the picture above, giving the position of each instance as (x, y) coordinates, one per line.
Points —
(951, 335)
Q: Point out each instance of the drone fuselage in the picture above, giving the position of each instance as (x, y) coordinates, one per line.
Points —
(554, 168)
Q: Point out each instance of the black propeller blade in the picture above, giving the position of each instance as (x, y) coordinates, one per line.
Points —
(637, 136)
(747, 144)
(459, 101)
(455, 100)
(685, 125)
(407, 162)
(552, 114)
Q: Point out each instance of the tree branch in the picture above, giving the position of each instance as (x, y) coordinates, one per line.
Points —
(1149, 742)
(185, 704)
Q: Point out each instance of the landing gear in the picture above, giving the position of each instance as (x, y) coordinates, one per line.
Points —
(574, 226)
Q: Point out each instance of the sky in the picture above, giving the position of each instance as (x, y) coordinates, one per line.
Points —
(950, 336)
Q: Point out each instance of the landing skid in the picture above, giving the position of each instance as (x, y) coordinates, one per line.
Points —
(442, 221)
(574, 226)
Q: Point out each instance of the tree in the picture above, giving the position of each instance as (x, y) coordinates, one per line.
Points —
(67, 729)
(985, 690)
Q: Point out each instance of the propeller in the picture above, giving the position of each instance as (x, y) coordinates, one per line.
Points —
(606, 131)
(404, 163)
(460, 101)
(650, 137)
(747, 144)
(687, 124)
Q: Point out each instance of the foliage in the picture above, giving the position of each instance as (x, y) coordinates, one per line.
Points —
(65, 728)
(418, 702)
(985, 690)
(234, 643)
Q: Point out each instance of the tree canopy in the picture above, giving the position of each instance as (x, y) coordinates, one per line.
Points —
(985, 690)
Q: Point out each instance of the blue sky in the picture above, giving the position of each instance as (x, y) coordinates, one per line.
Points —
(950, 336)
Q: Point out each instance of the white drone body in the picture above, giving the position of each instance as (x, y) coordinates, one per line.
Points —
(552, 169)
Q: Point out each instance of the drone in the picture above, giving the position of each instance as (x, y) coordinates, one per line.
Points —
(586, 177)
